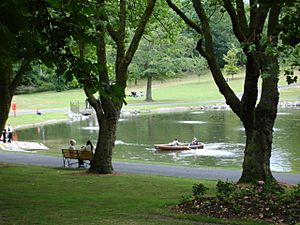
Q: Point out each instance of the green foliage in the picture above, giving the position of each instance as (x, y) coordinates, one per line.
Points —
(290, 23)
(165, 58)
(185, 198)
(263, 200)
(199, 190)
(225, 188)
(271, 187)
(231, 60)
(296, 191)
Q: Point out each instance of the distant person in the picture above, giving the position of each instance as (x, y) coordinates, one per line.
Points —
(38, 112)
(10, 131)
(72, 144)
(4, 135)
(175, 142)
(194, 141)
(88, 147)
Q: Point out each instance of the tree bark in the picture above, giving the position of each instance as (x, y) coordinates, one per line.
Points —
(8, 84)
(107, 108)
(5, 93)
(149, 89)
(106, 140)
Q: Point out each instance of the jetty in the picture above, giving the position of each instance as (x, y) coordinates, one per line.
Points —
(22, 146)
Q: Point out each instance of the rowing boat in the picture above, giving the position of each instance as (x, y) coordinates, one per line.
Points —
(169, 147)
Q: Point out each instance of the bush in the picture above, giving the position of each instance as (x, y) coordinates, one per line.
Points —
(225, 188)
(199, 190)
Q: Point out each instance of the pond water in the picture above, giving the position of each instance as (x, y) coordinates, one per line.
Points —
(221, 132)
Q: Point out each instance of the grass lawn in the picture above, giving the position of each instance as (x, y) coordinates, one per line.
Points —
(30, 119)
(41, 195)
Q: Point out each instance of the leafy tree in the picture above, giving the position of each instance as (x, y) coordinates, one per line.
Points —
(14, 47)
(257, 32)
(231, 60)
(49, 31)
(161, 56)
(111, 22)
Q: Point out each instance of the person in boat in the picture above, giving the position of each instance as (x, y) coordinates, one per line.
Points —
(175, 142)
(195, 141)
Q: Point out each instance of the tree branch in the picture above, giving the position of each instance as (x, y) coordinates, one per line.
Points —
(208, 53)
(242, 15)
(188, 21)
(138, 34)
(237, 29)
(24, 68)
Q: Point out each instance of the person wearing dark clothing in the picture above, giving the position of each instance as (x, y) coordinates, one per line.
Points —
(88, 147)
(10, 133)
(4, 135)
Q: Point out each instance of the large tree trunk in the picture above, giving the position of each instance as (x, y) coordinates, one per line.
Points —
(256, 165)
(149, 89)
(9, 81)
(107, 117)
(259, 125)
(5, 93)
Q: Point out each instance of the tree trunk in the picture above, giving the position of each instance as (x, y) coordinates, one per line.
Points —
(259, 122)
(9, 81)
(106, 140)
(256, 165)
(149, 89)
(5, 94)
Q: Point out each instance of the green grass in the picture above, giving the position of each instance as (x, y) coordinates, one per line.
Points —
(290, 94)
(30, 119)
(41, 195)
(48, 100)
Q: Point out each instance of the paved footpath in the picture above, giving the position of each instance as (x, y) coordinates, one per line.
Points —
(165, 170)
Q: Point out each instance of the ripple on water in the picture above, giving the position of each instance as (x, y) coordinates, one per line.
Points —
(90, 128)
(192, 122)
(197, 112)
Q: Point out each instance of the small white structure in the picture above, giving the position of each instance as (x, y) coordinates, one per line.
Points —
(22, 146)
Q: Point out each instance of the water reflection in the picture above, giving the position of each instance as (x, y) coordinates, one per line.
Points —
(221, 132)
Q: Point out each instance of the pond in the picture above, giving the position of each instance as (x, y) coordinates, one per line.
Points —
(221, 132)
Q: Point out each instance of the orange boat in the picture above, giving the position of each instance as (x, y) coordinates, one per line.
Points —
(168, 147)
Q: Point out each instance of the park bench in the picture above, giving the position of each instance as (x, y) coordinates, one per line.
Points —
(71, 157)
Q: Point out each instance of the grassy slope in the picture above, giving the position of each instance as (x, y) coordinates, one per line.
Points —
(40, 195)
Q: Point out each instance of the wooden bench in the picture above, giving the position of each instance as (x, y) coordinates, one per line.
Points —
(71, 157)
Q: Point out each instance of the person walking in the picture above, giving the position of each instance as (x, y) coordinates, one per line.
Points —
(4, 135)
(10, 131)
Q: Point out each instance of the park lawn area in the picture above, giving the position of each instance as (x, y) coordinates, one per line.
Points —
(290, 94)
(42, 195)
(48, 100)
(28, 120)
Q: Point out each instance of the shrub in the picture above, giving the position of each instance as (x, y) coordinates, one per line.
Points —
(225, 188)
(199, 189)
